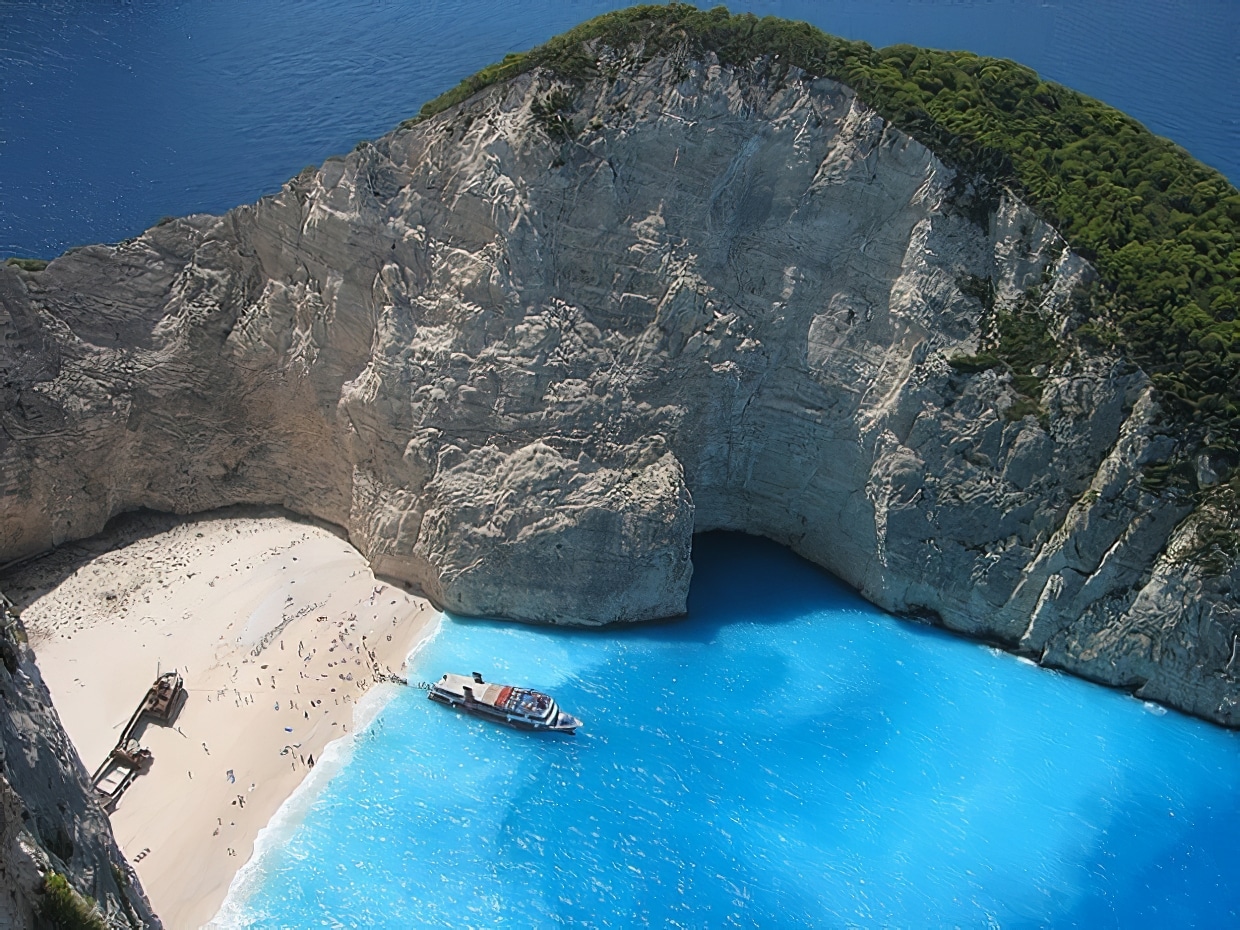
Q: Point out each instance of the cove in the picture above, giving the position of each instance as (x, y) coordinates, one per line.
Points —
(788, 755)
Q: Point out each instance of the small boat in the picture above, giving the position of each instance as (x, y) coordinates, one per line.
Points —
(516, 707)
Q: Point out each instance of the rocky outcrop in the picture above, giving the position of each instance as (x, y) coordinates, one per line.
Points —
(523, 359)
(49, 822)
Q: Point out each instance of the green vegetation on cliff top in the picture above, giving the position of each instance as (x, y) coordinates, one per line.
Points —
(1162, 229)
(27, 264)
(62, 908)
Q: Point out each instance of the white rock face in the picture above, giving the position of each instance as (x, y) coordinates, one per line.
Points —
(522, 373)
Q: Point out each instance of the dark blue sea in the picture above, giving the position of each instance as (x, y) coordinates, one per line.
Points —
(786, 757)
(114, 114)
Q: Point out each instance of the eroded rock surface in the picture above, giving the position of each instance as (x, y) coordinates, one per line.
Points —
(49, 821)
(523, 370)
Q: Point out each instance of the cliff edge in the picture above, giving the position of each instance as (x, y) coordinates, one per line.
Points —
(58, 859)
(523, 349)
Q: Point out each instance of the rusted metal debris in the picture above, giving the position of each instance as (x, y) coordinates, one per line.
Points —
(128, 759)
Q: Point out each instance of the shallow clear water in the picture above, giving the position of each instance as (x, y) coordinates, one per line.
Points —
(113, 114)
(788, 756)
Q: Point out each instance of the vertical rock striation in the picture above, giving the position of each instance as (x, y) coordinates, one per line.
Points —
(524, 349)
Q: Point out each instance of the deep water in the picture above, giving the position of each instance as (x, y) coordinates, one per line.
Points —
(114, 114)
(789, 756)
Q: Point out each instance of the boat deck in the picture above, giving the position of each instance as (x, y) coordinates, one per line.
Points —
(519, 707)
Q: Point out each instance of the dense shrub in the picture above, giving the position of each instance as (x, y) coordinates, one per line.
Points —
(27, 264)
(62, 908)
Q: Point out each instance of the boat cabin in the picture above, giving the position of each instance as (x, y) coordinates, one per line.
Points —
(519, 707)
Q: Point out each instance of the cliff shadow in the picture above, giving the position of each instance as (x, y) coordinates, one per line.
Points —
(742, 578)
(27, 580)
(737, 577)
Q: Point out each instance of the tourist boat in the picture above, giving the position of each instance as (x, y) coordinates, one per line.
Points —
(516, 707)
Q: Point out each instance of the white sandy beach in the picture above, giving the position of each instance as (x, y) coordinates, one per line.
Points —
(265, 617)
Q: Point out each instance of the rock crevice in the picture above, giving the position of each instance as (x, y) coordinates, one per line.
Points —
(522, 365)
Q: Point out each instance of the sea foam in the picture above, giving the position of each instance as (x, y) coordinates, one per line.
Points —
(787, 756)
(284, 823)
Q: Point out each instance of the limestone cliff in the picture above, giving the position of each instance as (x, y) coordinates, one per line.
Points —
(523, 350)
(49, 821)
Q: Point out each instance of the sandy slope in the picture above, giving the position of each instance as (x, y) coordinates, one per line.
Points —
(265, 617)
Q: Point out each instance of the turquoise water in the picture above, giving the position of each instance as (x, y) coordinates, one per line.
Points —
(118, 112)
(787, 757)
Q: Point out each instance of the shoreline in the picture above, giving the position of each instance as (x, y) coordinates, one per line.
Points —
(237, 601)
(288, 817)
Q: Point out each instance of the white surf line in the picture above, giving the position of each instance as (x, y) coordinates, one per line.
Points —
(232, 914)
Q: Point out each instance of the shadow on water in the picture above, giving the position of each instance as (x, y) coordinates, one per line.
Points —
(736, 577)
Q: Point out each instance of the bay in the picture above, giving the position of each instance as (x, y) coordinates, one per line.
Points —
(787, 756)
